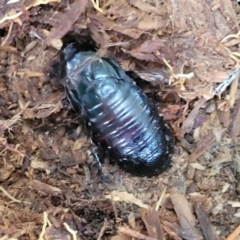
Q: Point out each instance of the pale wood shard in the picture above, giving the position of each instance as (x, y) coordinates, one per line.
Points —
(126, 197)
(235, 234)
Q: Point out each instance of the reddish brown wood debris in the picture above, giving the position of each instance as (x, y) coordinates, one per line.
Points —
(187, 53)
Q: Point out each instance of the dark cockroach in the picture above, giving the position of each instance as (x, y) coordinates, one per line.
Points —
(123, 122)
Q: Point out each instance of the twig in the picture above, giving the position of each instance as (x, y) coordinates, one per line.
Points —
(102, 229)
(96, 6)
(180, 77)
(160, 199)
(8, 34)
(6, 237)
(11, 197)
(10, 17)
(134, 234)
(234, 234)
(230, 36)
(6, 147)
(71, 231)
(45, 223)
(7, 124)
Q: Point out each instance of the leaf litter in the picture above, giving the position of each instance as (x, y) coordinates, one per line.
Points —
(187, 53)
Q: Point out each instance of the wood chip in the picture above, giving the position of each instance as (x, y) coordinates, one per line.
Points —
(203, 145)
(66, 20)
(234, 234)
(153, 224)
(230, 174)
(126, 197)
(135, 234)
(224, 117)
(44, 188)
(185, 215)
(176, 232)
(207, 228)
(54, 234)
(234, 128)
(189, 122)
(146, 7)
(234, 203)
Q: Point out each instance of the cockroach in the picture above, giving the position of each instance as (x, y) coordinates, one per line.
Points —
(123, 122)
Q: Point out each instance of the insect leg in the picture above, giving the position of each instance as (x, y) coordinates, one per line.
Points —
(96, 154)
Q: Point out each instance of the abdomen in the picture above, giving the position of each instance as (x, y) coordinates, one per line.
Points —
(129, 129)
(122, 120)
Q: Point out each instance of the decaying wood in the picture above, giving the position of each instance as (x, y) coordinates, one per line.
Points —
(134, 234)
(235, 121)
(153, 224)
(202, 146)
(44, 188)
(188, 51)
(207, 228)
(185, 215)
(176, 232)
(234, 234)
(68, 18)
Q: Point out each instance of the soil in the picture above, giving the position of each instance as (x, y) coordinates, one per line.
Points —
(187, 55)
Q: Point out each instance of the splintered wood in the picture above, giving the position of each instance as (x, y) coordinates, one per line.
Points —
(203, 145)
(44, 188)
(153, 224)
(69, 18)
(207, 228)
(185, 216)
(235, 121)
(188, 54)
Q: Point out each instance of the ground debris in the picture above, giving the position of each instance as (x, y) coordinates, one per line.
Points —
(207, 228)
(124, 196)
(135, 234)
(235, 121)
(185, 216)
(67, 20)
(55, 234)
(153, 224)
(153, 50)
(44, 188)
(175, 231)
(234, 235)
(187, 54)
(203, 145)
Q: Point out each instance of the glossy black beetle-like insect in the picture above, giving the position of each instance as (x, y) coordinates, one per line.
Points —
(123, 122)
